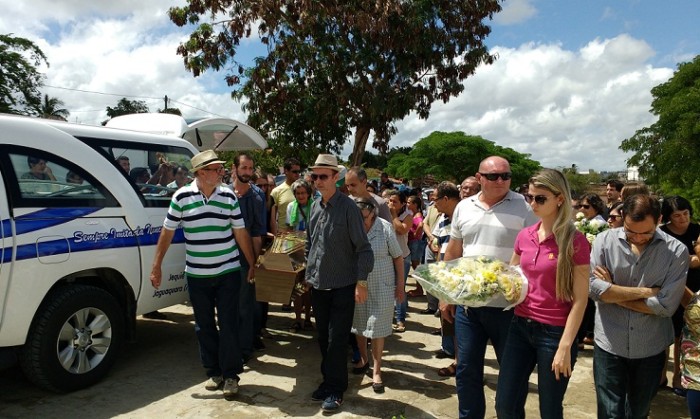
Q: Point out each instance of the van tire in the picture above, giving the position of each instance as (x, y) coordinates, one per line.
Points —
(86, 360)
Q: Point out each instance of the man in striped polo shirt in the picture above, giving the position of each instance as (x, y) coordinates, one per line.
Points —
(483, 224)
(214, 236)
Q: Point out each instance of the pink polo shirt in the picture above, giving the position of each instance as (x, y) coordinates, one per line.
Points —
(539, 264)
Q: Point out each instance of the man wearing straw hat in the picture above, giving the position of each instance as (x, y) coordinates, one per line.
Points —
(214, 232)
(338, 260)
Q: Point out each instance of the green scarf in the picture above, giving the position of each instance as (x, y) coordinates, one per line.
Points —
(295, 210)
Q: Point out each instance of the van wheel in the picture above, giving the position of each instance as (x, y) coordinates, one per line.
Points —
(74, 339)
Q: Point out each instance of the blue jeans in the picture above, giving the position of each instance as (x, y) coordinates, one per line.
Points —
(402, 308)
(531, 343)
(473, 328)
(334, 310)
(247, 307)
(625, 387)
(693, 400)
(212, 298)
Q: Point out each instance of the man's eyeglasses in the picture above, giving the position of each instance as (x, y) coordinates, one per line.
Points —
(634, 233)
(324, 177)
(217, 169)
(494, 176)
(539, 199)
(584, 206)
(365, 206)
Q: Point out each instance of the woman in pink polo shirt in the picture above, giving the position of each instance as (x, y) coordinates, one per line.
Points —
(543, 330)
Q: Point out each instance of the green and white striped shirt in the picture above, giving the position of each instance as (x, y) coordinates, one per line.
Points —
(207, 223)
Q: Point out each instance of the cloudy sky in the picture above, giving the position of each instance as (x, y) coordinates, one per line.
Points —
(572, 80)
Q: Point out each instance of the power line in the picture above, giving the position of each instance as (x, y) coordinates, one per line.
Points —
(131, 96)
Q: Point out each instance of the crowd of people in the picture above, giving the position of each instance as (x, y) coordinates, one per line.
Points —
(624, 293)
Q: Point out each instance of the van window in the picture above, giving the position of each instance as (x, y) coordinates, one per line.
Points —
(155, 171)
(36, 178)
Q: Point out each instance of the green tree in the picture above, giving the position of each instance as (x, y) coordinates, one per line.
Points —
(332, 67)
(454, 155)
(174, 111)
(19, 78)
(52, 108)
(668, 151)
(126, 107)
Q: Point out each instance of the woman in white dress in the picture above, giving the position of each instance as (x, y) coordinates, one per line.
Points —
(385, 285)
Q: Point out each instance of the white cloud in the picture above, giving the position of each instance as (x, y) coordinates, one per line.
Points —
(515, 11)
(562, 107)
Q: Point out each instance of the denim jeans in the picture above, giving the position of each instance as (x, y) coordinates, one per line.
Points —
(625, 387)
(693, 400)
(473, 328)
(334, 310)
(247, 306)
(531, 343)
(212, 298)
(401, 308)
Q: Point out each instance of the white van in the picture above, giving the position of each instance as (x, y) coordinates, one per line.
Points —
(77, 241)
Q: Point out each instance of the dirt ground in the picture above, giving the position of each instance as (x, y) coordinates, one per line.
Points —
(160, 376)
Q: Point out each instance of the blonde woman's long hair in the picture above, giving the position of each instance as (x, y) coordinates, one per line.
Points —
(563, 229)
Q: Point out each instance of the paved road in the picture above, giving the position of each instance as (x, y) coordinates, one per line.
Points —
(160, 376)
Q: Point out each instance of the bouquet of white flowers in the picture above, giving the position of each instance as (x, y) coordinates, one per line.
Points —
(474, 282)
(590, 228)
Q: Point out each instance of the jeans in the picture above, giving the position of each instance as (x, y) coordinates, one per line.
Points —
(334, 310)
(219, 349)
(531, 343)
(247, 306)
(625, 387)
(401, 308)
(473, 328)
(693, 400)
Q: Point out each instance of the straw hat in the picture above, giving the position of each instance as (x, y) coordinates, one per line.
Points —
(326, 161)
(205, 158)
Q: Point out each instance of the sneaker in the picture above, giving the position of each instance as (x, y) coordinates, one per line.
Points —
(230, 387)
(332, 403)
(213, 383)
(319, 395)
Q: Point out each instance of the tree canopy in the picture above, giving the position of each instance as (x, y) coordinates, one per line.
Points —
(126, 107)
(332, 66)
(52, 108)
(19, 78)
(668, 151)
(454, 156)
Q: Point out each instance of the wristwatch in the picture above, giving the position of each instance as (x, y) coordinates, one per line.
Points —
(362, 283)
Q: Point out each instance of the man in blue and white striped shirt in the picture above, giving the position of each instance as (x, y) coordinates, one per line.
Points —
(214, 232)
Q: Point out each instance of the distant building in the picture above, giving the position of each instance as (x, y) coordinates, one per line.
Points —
(633, 174)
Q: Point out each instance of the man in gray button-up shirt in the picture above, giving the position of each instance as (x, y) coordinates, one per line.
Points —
(637, 280)
(338, 260)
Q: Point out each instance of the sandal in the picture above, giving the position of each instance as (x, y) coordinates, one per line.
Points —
(415, 293)
(361, 370)
(308, 325)
(296, 326)
(399, 327)
(448, 371)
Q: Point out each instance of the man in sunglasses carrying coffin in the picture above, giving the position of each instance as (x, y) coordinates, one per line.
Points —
(338, 260)
(638, 276)
(485, 224)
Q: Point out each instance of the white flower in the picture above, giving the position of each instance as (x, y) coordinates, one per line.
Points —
(580, 216)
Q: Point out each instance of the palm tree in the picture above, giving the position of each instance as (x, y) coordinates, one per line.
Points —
(52, 108)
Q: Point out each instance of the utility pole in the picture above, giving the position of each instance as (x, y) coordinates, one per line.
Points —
(166, 102)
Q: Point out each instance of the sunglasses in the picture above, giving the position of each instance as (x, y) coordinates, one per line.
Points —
(494, 176)
(324, 177)
(539, 199)
(612, 217)
(584, 206)
(218, 169)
